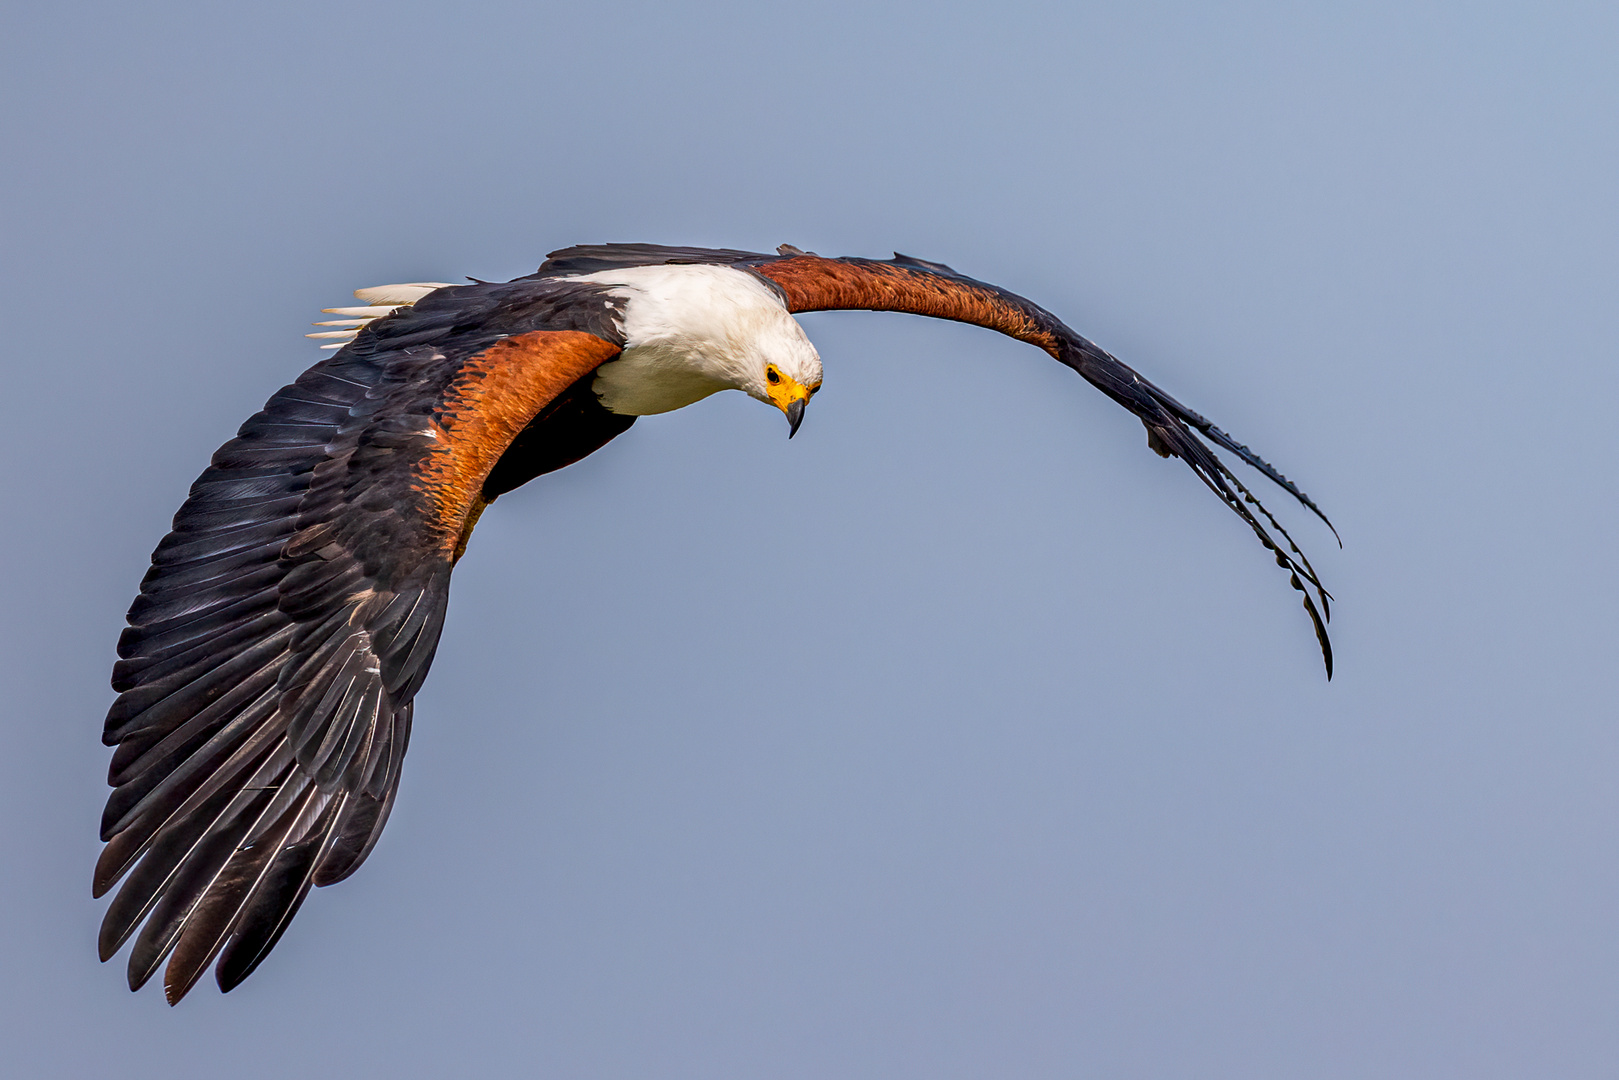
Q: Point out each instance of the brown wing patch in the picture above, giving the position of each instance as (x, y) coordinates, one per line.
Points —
(494, 395)
(816, 284)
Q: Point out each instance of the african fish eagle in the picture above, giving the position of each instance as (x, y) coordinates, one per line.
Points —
(266, 677)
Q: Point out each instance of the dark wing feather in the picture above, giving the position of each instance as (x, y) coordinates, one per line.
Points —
(590, 258)
(266, 677)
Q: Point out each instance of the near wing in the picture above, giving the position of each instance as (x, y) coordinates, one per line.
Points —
(266, 677)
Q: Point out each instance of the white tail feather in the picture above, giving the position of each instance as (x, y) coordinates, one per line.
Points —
(406, 293)
(380, 300)
(363, 312)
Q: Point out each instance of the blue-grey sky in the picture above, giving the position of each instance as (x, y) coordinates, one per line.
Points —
(961, 736)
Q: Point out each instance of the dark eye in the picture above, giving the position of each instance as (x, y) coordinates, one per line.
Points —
(773, 375)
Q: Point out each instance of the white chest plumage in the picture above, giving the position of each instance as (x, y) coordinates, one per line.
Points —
(653, 379)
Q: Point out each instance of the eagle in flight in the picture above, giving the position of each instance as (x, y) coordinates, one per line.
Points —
(266, 677)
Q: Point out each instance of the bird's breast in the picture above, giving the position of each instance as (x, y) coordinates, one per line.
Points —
(651, 379)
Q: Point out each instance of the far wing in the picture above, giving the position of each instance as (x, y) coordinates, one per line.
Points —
(266, 677)
(812, 283)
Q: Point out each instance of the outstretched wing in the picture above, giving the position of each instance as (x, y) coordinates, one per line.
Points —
(266, 677)
(809, 282)
(812, 283)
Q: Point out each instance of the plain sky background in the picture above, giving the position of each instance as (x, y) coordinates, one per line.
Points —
(962, 736)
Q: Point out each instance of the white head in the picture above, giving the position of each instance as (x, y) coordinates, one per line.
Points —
(693, 330)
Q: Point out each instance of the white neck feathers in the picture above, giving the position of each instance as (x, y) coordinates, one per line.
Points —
(691, 331)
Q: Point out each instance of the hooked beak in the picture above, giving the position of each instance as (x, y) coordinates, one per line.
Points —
(795, 416)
